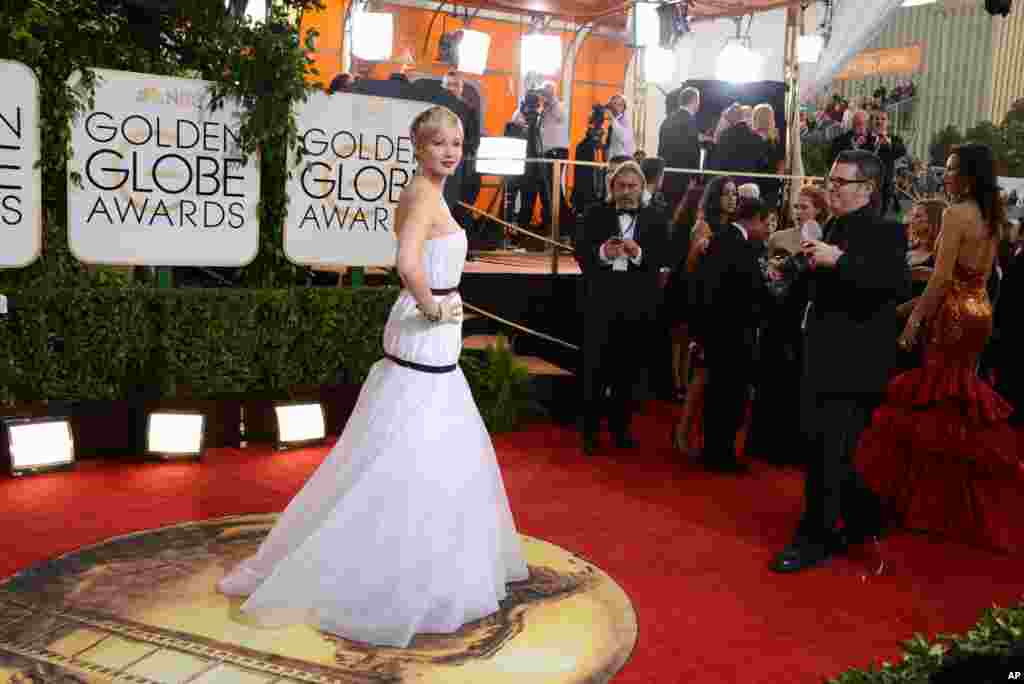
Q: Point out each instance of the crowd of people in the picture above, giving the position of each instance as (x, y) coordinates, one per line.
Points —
(784, 325)
(802, 329)
(866, 351)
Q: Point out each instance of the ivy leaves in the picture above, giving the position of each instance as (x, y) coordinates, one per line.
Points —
(264, 66)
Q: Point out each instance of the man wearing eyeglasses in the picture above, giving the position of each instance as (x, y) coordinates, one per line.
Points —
(857, 276)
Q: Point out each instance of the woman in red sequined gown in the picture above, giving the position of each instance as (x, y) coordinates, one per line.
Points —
(939, 450)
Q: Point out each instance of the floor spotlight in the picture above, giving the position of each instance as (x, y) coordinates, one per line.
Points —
(299, 424)
(175, 434)
(39, 444)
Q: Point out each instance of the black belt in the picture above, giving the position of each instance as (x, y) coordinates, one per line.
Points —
(443, 290)
(421, 366)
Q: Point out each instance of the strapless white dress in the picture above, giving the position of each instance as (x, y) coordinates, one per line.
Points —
(405, 527)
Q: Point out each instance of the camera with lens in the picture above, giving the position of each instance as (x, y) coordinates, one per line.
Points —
(532, 102)
(790, 270)
(795, 266)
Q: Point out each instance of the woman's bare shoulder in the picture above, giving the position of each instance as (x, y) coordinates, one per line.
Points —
(419, 190)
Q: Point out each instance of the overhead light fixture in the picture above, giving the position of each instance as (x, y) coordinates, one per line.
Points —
(737, 63)
(915, 3)
(175, 434)
(372, 35)
(659, 64)
(501, 156)
(646, 24)
(299, 424)
(39, 444)
(473, 49)
(257, 10)
(541, 53)
(808, 48)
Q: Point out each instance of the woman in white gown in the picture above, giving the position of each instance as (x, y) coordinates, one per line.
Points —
(405, 527)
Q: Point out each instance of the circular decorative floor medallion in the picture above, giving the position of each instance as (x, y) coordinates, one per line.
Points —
(144, 608)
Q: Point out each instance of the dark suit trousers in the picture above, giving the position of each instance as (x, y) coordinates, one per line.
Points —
(610, 362)
(833, 489)
(542, 186)
(729, 373)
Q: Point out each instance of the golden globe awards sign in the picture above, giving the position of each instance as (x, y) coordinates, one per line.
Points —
(20, 184)
(356, 156)
(164, 183)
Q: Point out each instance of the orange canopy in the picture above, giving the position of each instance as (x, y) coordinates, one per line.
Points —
(614, 11)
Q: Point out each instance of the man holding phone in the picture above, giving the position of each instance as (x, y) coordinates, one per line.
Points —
(857, 275)
(621, 247)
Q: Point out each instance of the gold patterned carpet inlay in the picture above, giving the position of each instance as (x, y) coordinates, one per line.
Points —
(144, 608)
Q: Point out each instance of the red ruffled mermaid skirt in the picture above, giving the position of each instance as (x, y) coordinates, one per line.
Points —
(942, 456)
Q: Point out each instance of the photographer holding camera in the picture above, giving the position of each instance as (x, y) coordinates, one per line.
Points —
(547, 124)
(589, 181)
(856, 275)
(621, 141)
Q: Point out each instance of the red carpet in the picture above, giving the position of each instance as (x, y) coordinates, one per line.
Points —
(690, 548)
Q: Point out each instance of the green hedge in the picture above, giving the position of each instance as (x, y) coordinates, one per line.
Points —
(218, 343)
(129, 342)
(993, 637)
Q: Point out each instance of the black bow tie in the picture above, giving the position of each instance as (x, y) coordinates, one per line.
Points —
(627, 212)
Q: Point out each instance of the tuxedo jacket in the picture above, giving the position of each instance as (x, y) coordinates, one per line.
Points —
(735, 292)
(678, 142)
(740, 150)
(852, 325)
(846, 142)
(1008, 328)
(637, 287)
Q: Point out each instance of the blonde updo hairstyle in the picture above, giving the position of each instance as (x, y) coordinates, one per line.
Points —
(430, 121)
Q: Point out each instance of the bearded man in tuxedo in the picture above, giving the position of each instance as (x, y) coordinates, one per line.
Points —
(621, 248)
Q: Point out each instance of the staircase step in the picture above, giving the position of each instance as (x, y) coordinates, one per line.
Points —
(480, 341)
(538, 366)
(534, 364)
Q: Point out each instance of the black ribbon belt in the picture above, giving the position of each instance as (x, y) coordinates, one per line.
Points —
(422, 367)
(443, 290)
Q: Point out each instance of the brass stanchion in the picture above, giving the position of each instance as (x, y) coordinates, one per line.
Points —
(556, 210)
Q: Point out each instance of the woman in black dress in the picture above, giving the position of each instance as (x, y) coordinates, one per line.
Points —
(717, 208)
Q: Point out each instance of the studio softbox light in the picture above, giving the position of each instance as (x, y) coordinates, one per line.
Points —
(175, 434)
(299, 424)
(39, 444)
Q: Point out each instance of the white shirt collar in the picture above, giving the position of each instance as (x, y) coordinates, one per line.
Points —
(742, 230)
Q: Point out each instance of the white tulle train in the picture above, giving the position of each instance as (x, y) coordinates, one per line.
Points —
(405, 527)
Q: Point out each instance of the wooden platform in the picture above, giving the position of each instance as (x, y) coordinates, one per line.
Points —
(534, 364)
(520, 262)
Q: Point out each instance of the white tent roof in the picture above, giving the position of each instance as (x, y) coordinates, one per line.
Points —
(855, 23)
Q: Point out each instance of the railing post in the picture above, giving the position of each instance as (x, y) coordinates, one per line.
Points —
(556, 210)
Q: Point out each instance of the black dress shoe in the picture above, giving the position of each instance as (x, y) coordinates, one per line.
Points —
(863, 534)
(625, 441)
(801, 556)
(726, 466)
